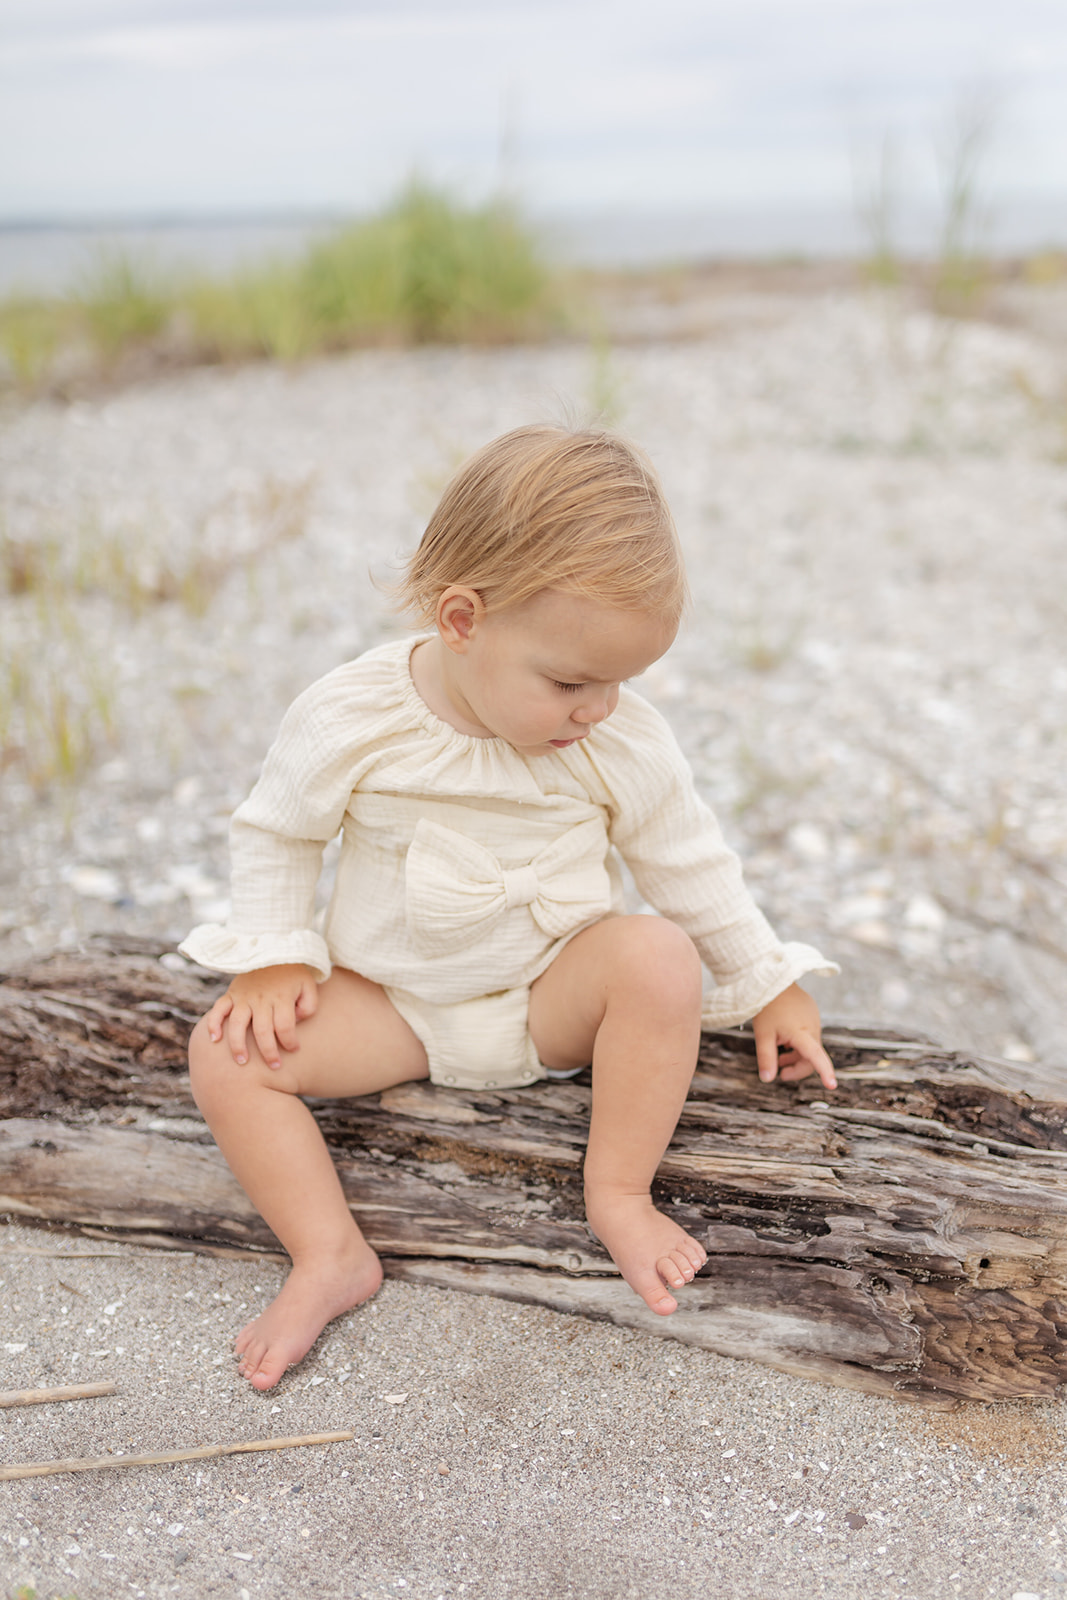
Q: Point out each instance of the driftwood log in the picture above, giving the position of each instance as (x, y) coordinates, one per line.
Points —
(905, 1234)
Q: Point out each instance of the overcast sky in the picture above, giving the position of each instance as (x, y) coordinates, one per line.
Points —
(148, 106)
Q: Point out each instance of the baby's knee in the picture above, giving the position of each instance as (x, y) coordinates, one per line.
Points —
(217, 1079)
(211, 1066)
(655, 957)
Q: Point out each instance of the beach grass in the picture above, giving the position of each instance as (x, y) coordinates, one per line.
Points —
(426, 269)
(121, 301)
(69, 589)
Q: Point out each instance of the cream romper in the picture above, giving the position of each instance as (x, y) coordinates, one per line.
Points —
(466, 867)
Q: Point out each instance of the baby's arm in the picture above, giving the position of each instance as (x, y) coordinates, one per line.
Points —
(791, 1019)
(682, 865)
(270, 1001)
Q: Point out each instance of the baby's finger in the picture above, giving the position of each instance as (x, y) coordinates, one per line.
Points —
(217, 1016)
(796, 1071)
(285, 1026)
(810, 1050)
(767, 1056)
(237, 1033)
(263, 1033)
(307, 1001)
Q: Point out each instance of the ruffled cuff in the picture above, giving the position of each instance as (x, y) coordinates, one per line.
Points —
(732, 1003)
(211, 945)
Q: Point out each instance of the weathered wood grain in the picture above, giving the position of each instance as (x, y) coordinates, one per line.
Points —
(904, 1234)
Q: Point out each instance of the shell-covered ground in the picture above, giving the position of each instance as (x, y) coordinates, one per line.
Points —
(872, 685)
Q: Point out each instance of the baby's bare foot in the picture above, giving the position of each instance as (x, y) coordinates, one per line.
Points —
(312, 1295)
(653, 1253)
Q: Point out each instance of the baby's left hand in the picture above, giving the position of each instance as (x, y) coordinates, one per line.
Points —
(792, 1020)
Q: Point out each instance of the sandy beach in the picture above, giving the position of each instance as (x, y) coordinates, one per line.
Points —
(872, 691)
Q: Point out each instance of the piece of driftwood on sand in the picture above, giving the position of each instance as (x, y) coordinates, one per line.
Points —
(61, 1392)
(905, 1234)
(163, 1458)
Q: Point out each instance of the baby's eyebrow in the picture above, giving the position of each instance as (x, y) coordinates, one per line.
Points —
(578, 676)
(564, 674)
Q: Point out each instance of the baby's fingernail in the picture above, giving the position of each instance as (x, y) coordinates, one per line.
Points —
(765, 1077)
(240, 1060)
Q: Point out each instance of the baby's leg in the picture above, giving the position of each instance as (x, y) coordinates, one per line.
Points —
(626, 995)
(355, 1043)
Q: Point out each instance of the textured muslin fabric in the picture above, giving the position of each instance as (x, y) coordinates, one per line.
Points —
(465, 866)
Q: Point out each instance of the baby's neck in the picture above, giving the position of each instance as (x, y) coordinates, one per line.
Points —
(429, 675)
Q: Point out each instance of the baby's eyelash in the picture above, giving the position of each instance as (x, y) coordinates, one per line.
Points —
(568, 688)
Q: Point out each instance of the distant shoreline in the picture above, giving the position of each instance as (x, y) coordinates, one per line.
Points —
(44, 254)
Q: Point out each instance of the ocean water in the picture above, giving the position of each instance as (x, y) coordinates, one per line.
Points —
(53, 257)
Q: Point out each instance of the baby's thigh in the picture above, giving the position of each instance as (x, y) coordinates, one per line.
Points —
(354, 1043)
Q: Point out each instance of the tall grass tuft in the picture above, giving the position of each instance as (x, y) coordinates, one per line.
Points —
(426, 269)
(875, 193)
(122, 301)
(56, 696)
(433, 271)
(962, 273)
(32, 333)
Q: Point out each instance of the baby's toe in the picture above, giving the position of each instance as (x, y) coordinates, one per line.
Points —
(268, 1372)
(674, 1270)
(251, 1358)
(262, 1361)
(677, 1269)
(651, 1287)
(694, 1253)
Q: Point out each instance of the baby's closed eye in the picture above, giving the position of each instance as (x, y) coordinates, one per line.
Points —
(573, 688)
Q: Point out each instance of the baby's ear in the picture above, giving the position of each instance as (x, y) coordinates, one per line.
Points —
(459, 611)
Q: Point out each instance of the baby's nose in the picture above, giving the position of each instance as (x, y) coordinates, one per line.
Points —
(594, 711)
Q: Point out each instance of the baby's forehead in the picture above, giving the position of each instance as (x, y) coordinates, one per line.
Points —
(580, 638)
(583, 612)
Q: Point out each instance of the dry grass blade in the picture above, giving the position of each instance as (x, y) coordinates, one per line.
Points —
(162, 1458)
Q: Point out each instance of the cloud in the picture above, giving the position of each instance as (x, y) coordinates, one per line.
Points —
(57, 20)
(245, 103)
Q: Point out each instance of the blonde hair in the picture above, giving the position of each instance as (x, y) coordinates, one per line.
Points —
(551, 508)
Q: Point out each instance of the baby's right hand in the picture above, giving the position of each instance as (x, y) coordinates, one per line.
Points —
(270, 1001)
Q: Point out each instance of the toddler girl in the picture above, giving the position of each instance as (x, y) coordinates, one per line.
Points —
(486, 776)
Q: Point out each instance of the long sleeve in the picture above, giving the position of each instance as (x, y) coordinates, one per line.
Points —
(278, 834)
(681, 864)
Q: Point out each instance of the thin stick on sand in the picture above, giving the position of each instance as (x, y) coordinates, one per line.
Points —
(66, 1391)
(202, 1452)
